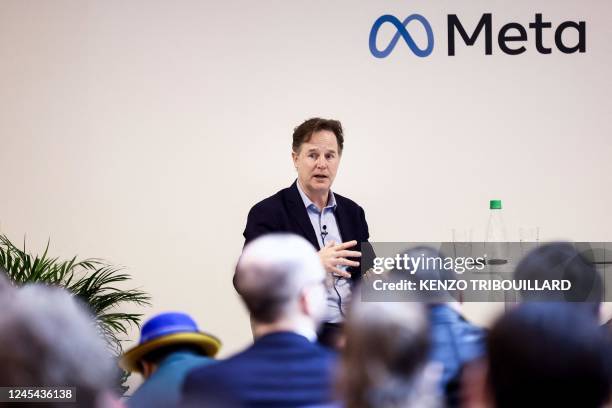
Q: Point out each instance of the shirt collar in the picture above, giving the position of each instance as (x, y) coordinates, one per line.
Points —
(331, 200)
(305, 333)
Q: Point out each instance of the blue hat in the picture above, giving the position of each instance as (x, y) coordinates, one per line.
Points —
(168, 329)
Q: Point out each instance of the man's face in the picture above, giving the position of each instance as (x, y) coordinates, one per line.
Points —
(317, 162)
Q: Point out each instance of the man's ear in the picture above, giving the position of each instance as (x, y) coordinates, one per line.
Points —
(304, 302)
(294, 157)
(147, 368)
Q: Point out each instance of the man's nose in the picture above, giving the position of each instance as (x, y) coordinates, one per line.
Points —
(321, 162)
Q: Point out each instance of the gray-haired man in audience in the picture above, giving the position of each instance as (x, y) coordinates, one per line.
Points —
(47, 339)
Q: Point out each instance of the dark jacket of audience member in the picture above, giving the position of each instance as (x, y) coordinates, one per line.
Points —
(280, 369)
(548, 355)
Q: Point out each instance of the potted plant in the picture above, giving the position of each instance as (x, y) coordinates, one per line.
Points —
(92, 280)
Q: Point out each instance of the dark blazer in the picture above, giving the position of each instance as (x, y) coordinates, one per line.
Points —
(285, 212)
(280, 369)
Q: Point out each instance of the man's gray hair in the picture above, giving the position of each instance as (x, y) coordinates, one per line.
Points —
(384, 363)
(48, 339)
(271, 272)
(430, 270)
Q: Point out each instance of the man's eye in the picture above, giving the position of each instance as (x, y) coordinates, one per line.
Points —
(329, 156)
(312, 155)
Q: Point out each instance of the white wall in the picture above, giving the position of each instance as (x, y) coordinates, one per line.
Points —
(143, 131)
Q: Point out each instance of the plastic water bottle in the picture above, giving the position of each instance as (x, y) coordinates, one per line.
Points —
(496, 242)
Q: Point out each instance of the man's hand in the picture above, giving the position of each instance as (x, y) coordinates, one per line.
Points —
(333, 255)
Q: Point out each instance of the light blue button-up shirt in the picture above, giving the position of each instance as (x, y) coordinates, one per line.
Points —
(326, 229)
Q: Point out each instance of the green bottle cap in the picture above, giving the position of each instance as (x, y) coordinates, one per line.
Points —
(495, 205)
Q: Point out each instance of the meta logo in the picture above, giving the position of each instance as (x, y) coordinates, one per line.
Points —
(510, 37)
(401, 32)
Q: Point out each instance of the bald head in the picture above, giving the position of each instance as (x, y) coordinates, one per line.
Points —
(273, 272)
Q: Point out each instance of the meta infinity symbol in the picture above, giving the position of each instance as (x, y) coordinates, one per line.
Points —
(403, 32)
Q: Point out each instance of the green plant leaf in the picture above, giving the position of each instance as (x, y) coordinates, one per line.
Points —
(92, 280)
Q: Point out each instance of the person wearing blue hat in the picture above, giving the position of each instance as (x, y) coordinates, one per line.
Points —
(170, 346)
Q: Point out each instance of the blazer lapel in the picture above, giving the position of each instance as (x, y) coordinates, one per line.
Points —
(298, 212)
(345, 227)
(348, 233)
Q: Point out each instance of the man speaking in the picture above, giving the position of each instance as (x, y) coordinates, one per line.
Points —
(334, 225)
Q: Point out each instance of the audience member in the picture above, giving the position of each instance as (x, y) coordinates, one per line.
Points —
(561, 260)
(455, 342)
(281, 280)
(170, 346)
(47, 339)
(385, 362)
(544, 355)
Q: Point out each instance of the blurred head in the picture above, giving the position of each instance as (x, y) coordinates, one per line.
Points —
(317, 148)
(48, 339)
(430, 268)
(385, 356)
(281, 279)
(560, 260)
(548, 354)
